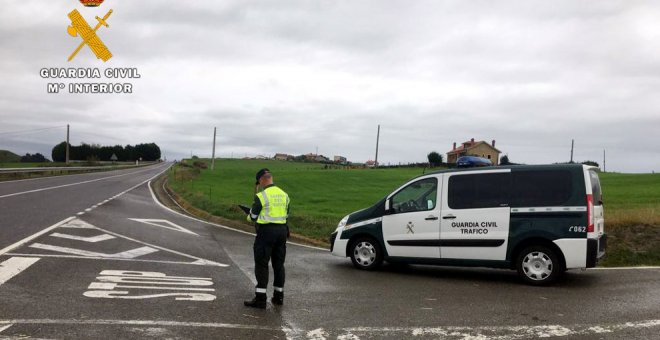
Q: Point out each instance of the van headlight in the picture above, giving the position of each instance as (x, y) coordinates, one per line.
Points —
(342, 223)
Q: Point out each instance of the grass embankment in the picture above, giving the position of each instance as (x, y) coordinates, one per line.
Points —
(321, 197)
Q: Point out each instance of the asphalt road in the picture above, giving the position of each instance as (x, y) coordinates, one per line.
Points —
(75, 266)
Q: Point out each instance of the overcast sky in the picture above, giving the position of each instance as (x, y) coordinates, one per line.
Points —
(291, 76)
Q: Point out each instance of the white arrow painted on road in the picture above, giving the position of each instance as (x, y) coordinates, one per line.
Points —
(163, 224)
(91, 239)
(130, 254)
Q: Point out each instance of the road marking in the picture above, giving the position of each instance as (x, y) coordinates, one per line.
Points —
(77, 223)
(164, 224)
(136, 323)
(15, 266)
(111, 279)
(4, 328)
(625, 268)
(129, 254)
(62, 256)
(476, 332)
(72, 184)
(91, 239)
(153, 196)
(73, 222)
(198, 260)
(32, 237)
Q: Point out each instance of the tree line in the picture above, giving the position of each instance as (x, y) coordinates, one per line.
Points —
(89, 152)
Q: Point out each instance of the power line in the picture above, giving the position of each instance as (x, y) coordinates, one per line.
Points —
(18, 132)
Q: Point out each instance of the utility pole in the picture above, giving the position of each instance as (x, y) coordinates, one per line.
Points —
(572, 145)
(67, 144)
(377, 140)
(604, 160)
(317, 151)
(213, 155)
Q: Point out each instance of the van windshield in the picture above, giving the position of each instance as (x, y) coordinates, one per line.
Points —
(595, 187)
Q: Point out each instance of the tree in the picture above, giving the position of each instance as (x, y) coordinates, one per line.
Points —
(36, 158)
(435, 159)
(59, 152)
(505, 160)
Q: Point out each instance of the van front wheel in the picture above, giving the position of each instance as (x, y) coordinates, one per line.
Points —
(538, 265)
(366, 254)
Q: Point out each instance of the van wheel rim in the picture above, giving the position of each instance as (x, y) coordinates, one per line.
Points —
(364, 253)
(537, 266)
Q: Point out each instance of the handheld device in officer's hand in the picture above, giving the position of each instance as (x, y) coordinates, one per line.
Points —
(244, 208)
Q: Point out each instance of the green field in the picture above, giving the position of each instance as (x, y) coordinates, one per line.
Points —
(320, 197)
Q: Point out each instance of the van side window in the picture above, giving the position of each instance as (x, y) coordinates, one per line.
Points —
(544, 188)
(418, 196)
(486, 190)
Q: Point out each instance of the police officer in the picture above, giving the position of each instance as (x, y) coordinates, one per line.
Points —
(270, 211)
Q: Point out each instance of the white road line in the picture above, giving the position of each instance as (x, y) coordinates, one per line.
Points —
(91, 239)
(15, 266)
(199, 260)
(476, 332)
(164, 224)
(136, 323)
(195, 263)
(4, 328)
(71, 184)
(129, 254)
(153, 196)
(625, 268)
(32, 237)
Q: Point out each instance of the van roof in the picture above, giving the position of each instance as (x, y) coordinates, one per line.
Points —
(513, 167)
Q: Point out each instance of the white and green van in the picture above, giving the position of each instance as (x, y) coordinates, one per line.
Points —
(540, 220)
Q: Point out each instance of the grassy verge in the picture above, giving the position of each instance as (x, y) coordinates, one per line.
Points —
(321, 196)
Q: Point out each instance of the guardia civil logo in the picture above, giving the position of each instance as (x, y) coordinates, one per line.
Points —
(80, 28)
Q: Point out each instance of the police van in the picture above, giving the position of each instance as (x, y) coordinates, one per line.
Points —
(539, 220)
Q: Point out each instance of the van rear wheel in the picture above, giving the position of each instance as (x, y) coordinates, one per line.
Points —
(366, 253)
(538, 265)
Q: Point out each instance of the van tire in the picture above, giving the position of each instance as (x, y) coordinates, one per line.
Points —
(538, 265)
(366, 253)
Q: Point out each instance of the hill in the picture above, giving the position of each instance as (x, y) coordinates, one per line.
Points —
(9, 157)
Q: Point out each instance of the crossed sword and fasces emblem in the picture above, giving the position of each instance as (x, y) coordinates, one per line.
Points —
(80, 27)
(410, 227)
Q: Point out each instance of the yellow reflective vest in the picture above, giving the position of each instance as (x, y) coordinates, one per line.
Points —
(274, 206)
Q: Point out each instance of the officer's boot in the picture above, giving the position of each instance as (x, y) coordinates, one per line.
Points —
(259, 301)
(278, 298)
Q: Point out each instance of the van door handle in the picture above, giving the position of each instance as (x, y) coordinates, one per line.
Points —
(431, 218)
(448, 217)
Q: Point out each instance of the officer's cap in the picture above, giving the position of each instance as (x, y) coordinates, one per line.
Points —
(261, 173)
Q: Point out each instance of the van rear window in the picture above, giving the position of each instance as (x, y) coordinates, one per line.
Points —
(543, 188)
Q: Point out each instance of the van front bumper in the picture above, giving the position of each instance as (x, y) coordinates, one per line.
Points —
(596, 250)
(337, 245)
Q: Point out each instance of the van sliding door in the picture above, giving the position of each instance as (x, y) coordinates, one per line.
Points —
(474, 221)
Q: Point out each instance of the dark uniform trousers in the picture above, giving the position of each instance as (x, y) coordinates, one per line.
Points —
(270, 244)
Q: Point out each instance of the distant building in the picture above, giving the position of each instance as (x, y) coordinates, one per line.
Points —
(282, 157)
(370, 163)
(340, 160)
(473, 148)
(321, 159)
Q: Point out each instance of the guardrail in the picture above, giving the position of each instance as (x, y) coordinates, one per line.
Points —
(68, 168)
